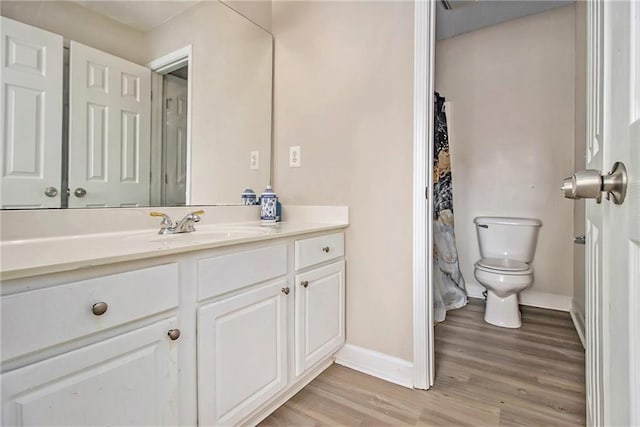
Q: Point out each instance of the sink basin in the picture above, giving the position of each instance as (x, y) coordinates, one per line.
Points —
(204, 234)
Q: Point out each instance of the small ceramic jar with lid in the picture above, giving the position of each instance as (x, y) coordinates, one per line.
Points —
(268, 201)
(249, 197)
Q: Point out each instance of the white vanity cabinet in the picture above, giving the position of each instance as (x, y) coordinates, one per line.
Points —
(66, 374)
(214, 336)
(130, 379)
(242, 338)
(320, 299)
(242, 353)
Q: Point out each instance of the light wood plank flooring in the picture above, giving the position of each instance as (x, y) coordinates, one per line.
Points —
(485, 376)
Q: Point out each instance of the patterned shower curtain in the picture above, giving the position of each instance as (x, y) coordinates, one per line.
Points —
(448, 283)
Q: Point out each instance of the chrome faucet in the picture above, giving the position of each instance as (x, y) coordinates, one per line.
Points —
(185, 225)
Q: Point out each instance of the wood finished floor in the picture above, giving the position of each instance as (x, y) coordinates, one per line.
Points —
(485, 376)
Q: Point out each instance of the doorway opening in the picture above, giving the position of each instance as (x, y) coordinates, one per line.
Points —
(171, 131)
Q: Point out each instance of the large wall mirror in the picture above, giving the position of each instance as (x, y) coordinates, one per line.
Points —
(132, 103)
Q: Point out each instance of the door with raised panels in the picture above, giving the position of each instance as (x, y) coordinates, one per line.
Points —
(319, 314)
(109, 130)
(131, 379)
(174, 152)
(613, 229)
(242, 353)
(31, 119)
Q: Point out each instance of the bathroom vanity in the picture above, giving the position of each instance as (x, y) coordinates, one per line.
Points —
(215, 327)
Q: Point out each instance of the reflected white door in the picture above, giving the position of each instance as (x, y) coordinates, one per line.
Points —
(174, 186)
(31, 119)
(109, 130)
(613, 231)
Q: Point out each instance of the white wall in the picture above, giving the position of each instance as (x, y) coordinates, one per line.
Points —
(258, 11)
(78, 23)
(344, 93)
(231, 103)
(512, 134)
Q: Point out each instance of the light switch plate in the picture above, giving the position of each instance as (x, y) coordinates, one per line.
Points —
(254, 160)
(294, 156)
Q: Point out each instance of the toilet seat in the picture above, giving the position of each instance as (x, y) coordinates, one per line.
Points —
(503, 266)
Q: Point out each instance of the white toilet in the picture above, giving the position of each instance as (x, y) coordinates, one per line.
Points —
(507, 246)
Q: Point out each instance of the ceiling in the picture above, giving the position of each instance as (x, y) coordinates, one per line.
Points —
(143, 15)
(470, 15)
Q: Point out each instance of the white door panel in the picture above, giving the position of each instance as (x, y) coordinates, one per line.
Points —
(613, 231)
(31, 119)
(109, 130)
(175, 141)
(131, 379)
(242, 353)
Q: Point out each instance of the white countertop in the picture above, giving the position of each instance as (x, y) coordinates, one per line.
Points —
(35, 256)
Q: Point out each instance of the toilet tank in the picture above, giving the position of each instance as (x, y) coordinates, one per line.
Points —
(512, 238)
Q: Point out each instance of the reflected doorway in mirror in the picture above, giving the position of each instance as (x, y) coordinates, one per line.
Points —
(171, 130)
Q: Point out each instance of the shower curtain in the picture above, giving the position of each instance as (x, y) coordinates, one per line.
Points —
(448, 283)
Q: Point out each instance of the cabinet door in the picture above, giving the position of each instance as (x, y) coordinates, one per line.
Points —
(242, 353)
(131, 379)
(319, 312)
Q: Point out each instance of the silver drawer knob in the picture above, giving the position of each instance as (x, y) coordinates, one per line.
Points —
(174, 334)
(286, 291)
(326, 249)
(304, 283)
(80, 192)
(99, 308)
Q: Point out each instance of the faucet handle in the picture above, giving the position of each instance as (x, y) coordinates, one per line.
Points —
(165, 218)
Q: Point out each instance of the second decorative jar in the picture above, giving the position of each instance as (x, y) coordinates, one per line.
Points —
(268, 201)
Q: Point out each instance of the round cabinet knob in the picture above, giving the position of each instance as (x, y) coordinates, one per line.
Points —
(174, 334)
(304, 283)
(286, 291)
(99, 308)
(80, 192)
(326, 249)
(51, 191)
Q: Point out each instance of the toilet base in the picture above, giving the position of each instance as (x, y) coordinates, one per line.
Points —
(503, 312)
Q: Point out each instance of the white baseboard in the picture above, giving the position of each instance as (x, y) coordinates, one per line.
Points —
(531, 298)
(380, 365)
(578, 322)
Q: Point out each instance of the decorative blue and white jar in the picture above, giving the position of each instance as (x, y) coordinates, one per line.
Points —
(268, 201)
(249, 197)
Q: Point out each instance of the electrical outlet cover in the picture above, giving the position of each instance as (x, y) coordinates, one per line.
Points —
(294, 156)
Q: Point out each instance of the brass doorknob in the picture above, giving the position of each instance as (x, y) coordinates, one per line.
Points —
(174, 334)
(99, 308)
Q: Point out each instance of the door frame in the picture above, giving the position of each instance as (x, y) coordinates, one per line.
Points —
(423, 87)
(160, 66)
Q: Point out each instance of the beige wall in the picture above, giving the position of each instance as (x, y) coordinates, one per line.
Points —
(580, 154)
(258, 11)
(78, 23)
(512, 133)
(231, 102)
(344, 93)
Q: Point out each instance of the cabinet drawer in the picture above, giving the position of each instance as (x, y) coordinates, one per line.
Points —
(319, 249)
(45, 317)
(221, 274)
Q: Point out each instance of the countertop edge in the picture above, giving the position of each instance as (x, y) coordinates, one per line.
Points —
(73, 265)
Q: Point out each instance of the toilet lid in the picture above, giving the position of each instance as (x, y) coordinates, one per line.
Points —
(503, 264)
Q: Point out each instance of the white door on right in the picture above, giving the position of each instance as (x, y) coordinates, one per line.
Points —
(613, 230)
(109, 130)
